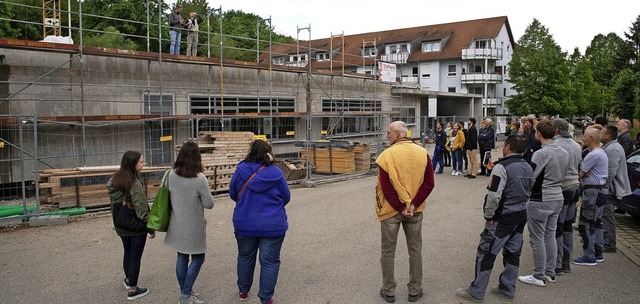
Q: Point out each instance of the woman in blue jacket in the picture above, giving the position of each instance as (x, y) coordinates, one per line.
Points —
(259, 219)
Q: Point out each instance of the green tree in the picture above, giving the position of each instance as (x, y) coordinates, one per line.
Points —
(627, 93)
(585, 93)
(111, 38)
(540, 74)
(604, 57)
(26, 16)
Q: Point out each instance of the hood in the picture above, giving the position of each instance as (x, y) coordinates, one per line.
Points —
(114, 194)
(265, 180)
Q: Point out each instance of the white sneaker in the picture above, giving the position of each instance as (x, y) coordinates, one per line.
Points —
(458, 173)
(454, 172)
(530, 279)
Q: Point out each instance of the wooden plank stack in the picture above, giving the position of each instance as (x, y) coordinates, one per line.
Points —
(362, 154)
(221, 152)
(87, 186)
(331, 160)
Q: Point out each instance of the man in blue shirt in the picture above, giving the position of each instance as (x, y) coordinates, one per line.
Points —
(593, 177)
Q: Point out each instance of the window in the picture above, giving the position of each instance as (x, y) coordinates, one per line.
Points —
(414, 71)
(278, 60)
(277, 129)
(406, 114)
(426, 75)
(393, 49)
(431, 46)
(369, 52)
(322, 56)
(483, 44)
(451, 89)
(405, 48)
(452, 70)
(349, 124)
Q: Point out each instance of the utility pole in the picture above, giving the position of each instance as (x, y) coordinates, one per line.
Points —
(308, 133)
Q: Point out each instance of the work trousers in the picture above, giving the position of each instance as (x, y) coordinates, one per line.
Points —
(389, 237)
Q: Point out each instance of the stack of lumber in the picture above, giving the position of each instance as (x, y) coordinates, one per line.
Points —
(362, 154)
(331, 160)
(87, 186)
(221, 152)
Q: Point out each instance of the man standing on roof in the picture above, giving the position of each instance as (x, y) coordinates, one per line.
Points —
(405, 180)
(175, 32)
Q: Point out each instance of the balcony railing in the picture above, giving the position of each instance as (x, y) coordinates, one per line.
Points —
(302, 63)
(470, 78)
(396, 58)
(491, 102)
(481, 54)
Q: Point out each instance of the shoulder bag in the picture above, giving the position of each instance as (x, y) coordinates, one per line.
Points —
(124, 217)
(161, 210)
(249, 180)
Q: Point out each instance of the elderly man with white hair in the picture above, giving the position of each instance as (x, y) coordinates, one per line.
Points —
(624, 137)
(487, 142)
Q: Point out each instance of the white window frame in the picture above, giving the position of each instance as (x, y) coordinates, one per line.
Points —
(454, 73)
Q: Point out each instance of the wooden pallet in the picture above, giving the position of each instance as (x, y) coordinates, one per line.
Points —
(331, 160)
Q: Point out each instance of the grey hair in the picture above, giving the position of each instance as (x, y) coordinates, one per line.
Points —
(400, 127)
(626, 122)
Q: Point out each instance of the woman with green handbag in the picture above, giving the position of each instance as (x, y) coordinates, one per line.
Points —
(187, 232)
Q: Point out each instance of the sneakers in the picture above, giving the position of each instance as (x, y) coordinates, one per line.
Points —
(191, 300)
(464, 294)
(388, 299)
(550, 279)
(415, 297)
(530, 279)
(243, 296)
(497, 291)
(125, 282)
(137, 293)
(268, 302)
(599, 258)
(454, 172)
(584, 261)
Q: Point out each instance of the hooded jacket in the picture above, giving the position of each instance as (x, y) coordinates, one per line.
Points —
(260, 209)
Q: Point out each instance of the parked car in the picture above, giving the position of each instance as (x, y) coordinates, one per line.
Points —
(577, 122)
(631, 203)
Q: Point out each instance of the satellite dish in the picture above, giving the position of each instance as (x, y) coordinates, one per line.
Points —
(464, 91)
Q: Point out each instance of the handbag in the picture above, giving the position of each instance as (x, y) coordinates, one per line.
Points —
(158, 219)
(124, 217)
(249, 180)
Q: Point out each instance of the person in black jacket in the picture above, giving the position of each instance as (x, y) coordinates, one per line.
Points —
(438, 153)
(486, 142)
(624, 138)
(471, 145)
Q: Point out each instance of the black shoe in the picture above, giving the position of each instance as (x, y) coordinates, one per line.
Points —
(467, 175)
(471, 176)
(415, 297)
(439, 172)
(610, 250)
(137, 293)
(559, 271)
(388, 299)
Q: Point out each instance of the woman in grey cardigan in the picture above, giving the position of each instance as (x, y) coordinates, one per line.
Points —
(187, 232)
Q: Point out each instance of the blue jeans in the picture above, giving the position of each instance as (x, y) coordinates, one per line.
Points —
(174, 48)
(133, 249)
(269, 247)
(438, 154)
(457, 160)
(188, 273)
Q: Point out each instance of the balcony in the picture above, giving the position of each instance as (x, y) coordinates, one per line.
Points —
(495, 54)
(492, 102)
(299, 64)
(411, 81)
(471, 78)
(396, 58)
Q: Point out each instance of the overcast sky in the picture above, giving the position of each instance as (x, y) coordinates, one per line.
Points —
(572, 23)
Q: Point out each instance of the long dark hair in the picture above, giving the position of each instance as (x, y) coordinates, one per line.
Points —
(125, 177)
(189, 161)
(260, 152)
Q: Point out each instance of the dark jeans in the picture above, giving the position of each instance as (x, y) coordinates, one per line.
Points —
(438, 154)
(465, 159)
(447, 156)
(456, 156)
(133, 248)
(269, 247)
(188, 273)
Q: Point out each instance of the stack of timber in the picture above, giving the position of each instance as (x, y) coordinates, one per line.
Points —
(362, 154)
(331, 160)
(87, 186)
(221, 152)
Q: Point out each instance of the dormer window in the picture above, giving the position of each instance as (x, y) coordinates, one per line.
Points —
(483, 44)
(369, 52)
(431, 46)
(323, 56)
(278, 60)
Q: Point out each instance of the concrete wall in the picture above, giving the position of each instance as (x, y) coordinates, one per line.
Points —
(116, 86)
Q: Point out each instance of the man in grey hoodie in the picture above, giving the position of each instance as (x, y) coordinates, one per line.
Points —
(617, 183)
(549, 165)
(570, 193)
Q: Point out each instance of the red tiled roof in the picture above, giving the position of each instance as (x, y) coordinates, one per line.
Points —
(454, 37)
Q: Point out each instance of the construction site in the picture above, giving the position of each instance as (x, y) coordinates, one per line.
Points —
(69, 111)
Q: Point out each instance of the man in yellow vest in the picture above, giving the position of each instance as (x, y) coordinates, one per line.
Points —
(405, 179)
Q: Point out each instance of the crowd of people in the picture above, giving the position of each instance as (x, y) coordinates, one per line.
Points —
(259, 219)
(537, 184)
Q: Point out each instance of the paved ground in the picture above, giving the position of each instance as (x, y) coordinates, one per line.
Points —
(331, 255)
